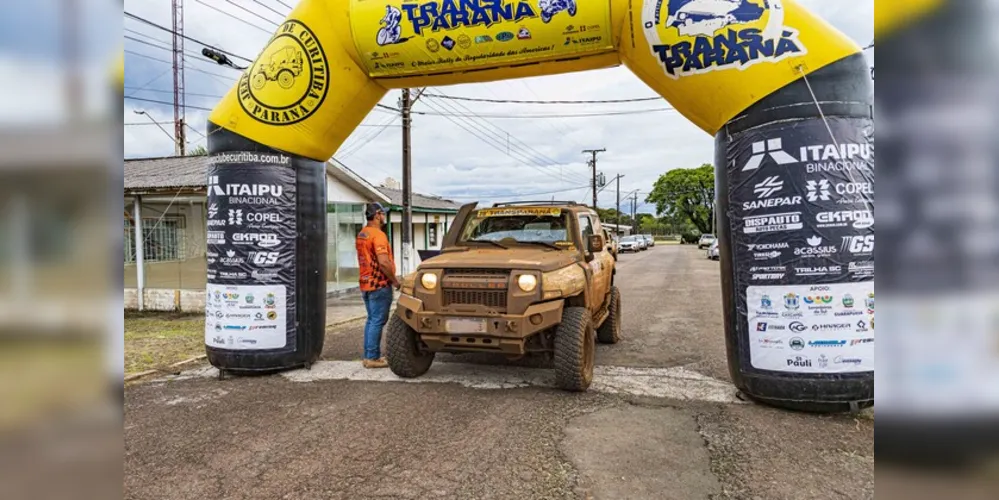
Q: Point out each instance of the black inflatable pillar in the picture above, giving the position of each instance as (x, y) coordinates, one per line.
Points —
(795, 207)
(266, 250)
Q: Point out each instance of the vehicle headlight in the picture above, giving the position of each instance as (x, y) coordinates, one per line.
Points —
(527, 282)
(429, 281)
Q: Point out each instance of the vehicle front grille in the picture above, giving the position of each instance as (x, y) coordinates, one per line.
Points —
(495, 299)
(476, 272)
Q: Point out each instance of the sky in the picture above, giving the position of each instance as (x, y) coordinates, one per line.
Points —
(528, 155)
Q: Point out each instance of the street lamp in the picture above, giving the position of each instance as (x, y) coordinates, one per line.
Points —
(220, 58)
(147, 115)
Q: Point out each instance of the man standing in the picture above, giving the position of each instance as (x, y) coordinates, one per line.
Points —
(374, 254)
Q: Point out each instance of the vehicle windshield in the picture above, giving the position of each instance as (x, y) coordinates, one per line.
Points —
(629, 239)
(518, 225)
(708, 236)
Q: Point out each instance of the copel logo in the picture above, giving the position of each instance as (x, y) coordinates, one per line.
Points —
(699, 36)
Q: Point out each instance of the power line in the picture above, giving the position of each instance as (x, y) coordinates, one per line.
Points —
(168, 49)
(537, 154)
(519, 195)
(258, 2)
(517, 101)
(238, 6)
(472, 128)
(160, 91)
(137, 54)
(233, 16)
(195, 40)
(282, 3)
(543, 116)
(165, 103)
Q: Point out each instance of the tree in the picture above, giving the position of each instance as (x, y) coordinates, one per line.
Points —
(198, 151)
(686, 195)
(610, 216)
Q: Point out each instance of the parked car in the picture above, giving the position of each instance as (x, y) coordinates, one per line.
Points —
(651, 241)
(612, 242)
(706, 241)
(643, 244)
(713, 250)
(629, 244)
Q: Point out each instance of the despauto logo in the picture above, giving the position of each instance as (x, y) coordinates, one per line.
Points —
(264, 240)
(772, 223)
(451, 14)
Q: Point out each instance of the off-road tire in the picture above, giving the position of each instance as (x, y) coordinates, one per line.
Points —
(575, 350)
(286, 79)
(405, 359)
(610, 331)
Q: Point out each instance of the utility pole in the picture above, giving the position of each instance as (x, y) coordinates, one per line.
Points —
(406, 106)
(593, 163)
(634, 214)
(617, 215)
(179, 104)
(407, 182)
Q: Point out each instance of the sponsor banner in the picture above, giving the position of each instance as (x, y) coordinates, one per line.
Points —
(751, 48)
(246, 317)
(252, 240)
(414, 37)
(811, 328)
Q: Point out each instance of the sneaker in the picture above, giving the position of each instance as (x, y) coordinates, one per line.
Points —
(375, 363)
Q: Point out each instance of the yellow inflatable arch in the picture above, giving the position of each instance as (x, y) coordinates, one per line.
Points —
(331, 61)
(787, 97)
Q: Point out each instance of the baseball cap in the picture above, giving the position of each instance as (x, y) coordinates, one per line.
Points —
(372, 209)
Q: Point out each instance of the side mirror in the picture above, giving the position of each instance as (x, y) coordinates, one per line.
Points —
(595, 244)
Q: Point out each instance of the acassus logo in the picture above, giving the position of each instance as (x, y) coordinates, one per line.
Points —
(699, 36)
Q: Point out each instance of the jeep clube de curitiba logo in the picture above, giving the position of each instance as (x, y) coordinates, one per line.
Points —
(289, 80)
(690, 37)
(450, 14)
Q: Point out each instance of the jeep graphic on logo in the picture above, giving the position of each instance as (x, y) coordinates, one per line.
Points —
(698, 36)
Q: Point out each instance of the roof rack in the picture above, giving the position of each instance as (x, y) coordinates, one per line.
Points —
(528, 203)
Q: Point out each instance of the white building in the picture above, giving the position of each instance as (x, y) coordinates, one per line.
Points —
(169, 194)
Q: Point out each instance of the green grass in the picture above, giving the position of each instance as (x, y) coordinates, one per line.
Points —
(156, 340)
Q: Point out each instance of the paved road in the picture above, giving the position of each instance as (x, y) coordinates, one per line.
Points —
(662, 425)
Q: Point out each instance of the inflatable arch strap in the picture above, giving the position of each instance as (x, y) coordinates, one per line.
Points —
(331, 61)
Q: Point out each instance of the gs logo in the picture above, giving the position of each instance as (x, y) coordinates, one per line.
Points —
(290, 79)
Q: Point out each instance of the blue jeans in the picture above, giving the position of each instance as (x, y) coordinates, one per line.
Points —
(377, 303)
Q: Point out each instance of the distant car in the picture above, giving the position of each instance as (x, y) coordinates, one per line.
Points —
(612, 243)
(713, 251)
(706, 241)
(629, 244)
(642, 242)
(650, 240)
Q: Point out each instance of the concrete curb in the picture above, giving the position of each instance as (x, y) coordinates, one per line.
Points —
(136, 376)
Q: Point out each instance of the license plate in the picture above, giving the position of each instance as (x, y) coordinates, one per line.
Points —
(465, 325)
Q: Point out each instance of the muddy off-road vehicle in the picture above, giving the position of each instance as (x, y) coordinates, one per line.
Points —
(513, 279)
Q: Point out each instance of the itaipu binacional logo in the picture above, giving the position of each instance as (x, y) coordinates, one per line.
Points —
(290, 79)
(691, 37)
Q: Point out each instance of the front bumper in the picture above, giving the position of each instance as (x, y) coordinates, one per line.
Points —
(504, 333)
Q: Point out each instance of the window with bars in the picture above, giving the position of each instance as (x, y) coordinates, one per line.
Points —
(163, 239)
